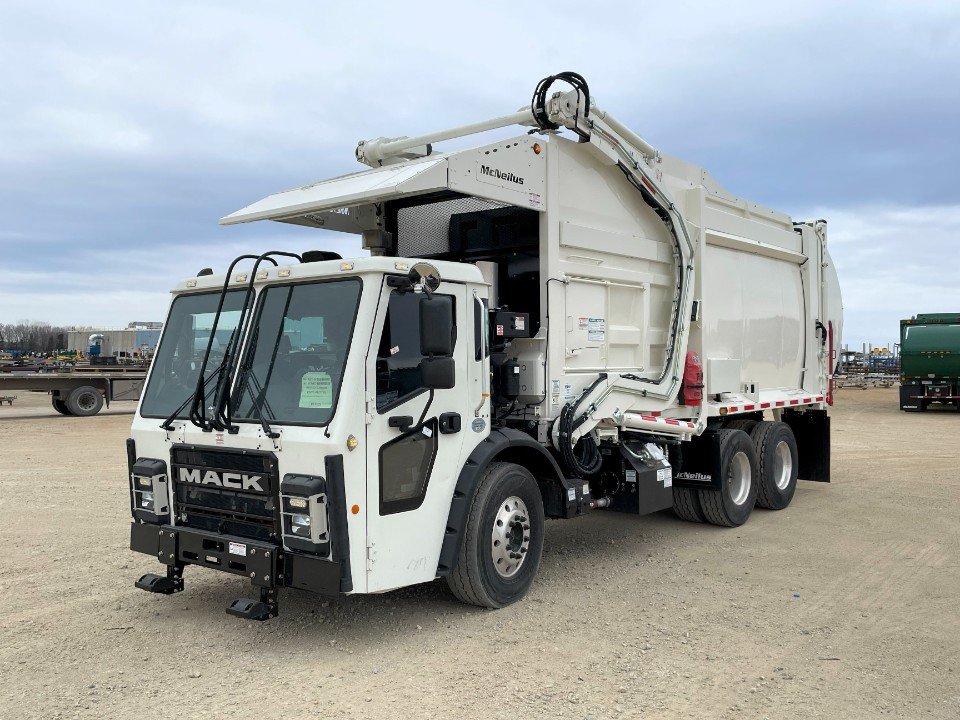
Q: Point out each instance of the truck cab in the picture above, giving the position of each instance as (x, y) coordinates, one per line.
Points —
(357, 397)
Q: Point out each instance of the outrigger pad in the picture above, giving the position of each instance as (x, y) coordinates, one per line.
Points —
(158, 584)
(250, 609)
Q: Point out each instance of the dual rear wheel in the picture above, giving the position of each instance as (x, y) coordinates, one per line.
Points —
(758, 466)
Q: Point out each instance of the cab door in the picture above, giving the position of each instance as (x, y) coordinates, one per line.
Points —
(414, 433)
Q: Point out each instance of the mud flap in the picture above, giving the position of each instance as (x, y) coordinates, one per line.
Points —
(812, 432)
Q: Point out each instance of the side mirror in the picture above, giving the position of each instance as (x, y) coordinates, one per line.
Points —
(426, 276)
(438, 328)
(438, 336)
(438, 373)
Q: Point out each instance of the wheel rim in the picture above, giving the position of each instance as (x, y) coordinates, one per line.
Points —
(738, 478)
(783, 465)
(510, 539)
(87, 401)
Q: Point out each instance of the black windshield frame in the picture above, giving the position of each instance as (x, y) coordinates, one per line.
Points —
(240, 391)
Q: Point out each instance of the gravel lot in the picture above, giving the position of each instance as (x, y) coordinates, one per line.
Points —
(845, 605)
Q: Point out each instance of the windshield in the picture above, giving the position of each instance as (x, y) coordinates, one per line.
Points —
(297, 352)
(176, 364)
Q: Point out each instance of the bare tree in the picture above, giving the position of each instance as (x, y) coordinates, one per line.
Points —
(32, 336)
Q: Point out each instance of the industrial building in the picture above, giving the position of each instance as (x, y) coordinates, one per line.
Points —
(138, 339)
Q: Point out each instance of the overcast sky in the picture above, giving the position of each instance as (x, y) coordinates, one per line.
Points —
(128, 129)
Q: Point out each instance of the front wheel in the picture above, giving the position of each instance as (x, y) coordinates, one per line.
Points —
(503, 543)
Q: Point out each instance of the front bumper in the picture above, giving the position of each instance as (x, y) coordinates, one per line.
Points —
(265, 564)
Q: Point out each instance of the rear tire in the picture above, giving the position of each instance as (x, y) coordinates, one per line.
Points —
(744, 424)
(84, 401)
(732, 504)
(686, 504)
(501, 548)
(59, 405)
(778, 462)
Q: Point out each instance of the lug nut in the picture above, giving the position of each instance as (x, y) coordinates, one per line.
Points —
(252, 575)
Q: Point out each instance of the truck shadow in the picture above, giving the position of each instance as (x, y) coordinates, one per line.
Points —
(572, 550)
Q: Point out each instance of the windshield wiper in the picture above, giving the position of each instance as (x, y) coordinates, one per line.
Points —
(183, 406)
(260, 404)
(198, 413)
(223, 410)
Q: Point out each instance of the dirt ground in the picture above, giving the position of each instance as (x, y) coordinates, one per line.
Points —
(844, 605)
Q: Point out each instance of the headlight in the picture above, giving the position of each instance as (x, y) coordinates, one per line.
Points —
(297, 502)
(300, 524)
(149, 498)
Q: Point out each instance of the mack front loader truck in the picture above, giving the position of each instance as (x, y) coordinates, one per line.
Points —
(562, 322)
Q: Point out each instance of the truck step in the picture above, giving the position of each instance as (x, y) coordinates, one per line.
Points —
(250, 609)
(159, 584)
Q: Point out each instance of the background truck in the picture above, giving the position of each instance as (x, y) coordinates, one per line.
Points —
(80, 393)
(929, 361)
(562, 321)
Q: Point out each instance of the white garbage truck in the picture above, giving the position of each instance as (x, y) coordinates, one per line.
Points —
(562, 322)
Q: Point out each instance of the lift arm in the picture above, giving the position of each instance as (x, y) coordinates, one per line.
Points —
(611, 399)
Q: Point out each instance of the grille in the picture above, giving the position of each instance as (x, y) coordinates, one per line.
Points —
(221, 460)
(424, 230)
(224, 510)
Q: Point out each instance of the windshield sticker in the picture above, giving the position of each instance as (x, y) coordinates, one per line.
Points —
(316, 390)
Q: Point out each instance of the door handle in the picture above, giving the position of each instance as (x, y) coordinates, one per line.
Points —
(449, 423)
(400, 421)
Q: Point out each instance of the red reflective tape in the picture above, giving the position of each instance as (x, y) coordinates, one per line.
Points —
(794, 402)
(819, 398)
(764, 405)
(806, 400)
(732, 409)
(748, 407)
(779, 403)
(670, 421)
(648, 418)
(655, 413)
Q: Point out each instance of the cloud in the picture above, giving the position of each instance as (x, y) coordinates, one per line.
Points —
(893, 262)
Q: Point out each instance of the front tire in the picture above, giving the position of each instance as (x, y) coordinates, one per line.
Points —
(503, 542)
(732, 504)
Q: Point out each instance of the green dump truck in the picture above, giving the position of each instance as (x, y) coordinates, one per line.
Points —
(930, 361)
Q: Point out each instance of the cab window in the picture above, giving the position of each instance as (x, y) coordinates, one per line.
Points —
(398, 357)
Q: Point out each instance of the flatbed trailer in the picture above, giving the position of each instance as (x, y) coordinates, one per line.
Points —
(78, 393)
